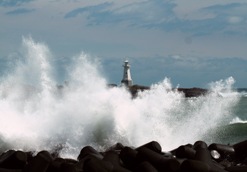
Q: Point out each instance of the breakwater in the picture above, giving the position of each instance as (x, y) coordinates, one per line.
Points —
(197, 157)
(188, 92)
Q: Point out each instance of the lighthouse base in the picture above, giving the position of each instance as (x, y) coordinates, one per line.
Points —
(127, 82)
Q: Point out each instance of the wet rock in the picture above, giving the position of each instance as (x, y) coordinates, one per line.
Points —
(13, 159)
(146, 158)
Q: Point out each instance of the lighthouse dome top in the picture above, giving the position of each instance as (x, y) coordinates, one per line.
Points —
(126, 62)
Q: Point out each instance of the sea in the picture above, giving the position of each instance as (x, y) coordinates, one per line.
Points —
(37, 113)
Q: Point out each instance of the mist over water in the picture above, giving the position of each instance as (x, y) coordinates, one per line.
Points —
(35, 114)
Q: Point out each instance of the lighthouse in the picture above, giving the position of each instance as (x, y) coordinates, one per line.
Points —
(126, 74)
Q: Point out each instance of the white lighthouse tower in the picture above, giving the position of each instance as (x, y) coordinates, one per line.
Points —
(126, 74)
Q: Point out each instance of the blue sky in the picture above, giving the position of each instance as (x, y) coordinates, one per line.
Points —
(192, 42)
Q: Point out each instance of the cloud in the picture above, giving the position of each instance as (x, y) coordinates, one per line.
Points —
(235, 19)
(215, 18)
(218, 8)
(20, 11)
(219, 19)
(225, 15)
(144, 14)
(11, 3)
(89, 10)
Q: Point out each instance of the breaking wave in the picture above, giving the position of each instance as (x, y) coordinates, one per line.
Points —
(36, 113)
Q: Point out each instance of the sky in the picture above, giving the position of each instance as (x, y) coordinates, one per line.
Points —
(192, 42)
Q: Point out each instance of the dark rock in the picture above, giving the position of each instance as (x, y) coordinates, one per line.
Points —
(129, 157)
(237, 169)
(188, 92)
(88, 150)
(160, 162)
(13, 159)
(97, 165)
(117, 147)
(193, 92)
(194, 166)
(200, 145)
(112, 157)
(241, 149)
(153, 145)
(145, 166)
(40, 163)
(225, 151)
(145, 158)
(185, 151)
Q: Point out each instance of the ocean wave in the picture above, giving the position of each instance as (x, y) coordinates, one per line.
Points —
(238, 120)
(243, 94)
(85, 111)
(228, 94)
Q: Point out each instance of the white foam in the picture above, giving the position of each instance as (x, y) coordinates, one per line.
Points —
(238, 120)
(35, 114)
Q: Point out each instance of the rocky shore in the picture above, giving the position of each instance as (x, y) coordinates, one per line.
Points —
(197, 157)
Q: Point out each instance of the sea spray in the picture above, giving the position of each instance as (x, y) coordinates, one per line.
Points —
(36, 114)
